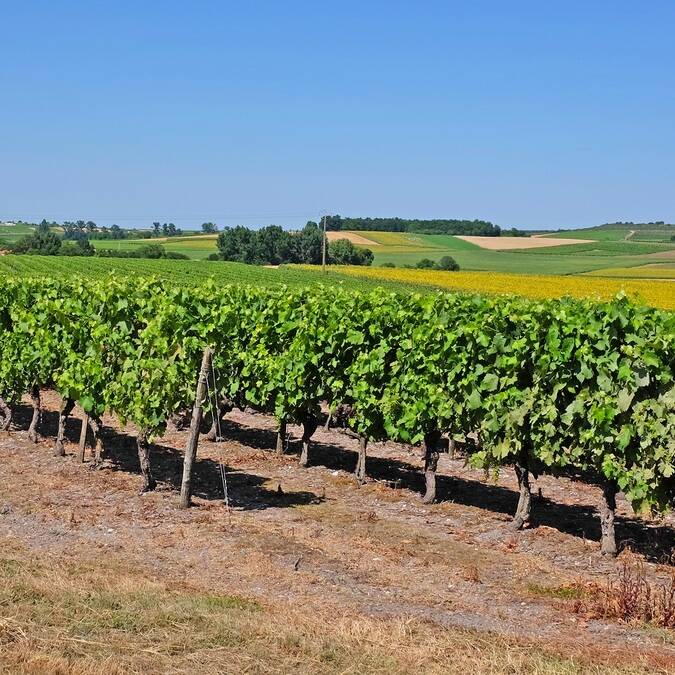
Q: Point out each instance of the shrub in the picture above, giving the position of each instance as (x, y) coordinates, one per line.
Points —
(632, 598)
(447, 263)
(426, 264)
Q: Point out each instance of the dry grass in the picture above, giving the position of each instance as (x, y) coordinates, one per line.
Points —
(631, 598)
(107, 617)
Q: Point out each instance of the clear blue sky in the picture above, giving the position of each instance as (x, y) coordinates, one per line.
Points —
(529, 114)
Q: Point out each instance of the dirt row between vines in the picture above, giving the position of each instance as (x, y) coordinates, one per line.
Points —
(313, 545)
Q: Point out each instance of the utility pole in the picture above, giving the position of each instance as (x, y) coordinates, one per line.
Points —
(323, 245)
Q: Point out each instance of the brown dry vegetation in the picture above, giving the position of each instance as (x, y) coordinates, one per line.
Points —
(307, 572)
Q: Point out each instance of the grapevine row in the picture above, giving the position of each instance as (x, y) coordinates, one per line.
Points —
(550, 386)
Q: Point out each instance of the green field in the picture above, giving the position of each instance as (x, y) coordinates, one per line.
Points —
(611, 249)
(597, 234)
(186, 272)
(12, 233)
(197, 247)
(604, 248)
(655, 233)
(402, 249)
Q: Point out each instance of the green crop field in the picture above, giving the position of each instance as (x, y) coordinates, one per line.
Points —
(185, 272)
(596, 234)
(12, 233)
(641, 232)
(609, 250)
(196, 247)
(655, 235)
(604, 248)
(612, 250)
(554, 260)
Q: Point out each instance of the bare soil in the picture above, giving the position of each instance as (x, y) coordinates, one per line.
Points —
(314, 541)
(511, 243)
(358, 239)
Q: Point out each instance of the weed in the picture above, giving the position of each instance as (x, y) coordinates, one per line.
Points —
(632, 598)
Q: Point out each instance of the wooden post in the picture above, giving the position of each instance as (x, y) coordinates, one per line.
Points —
(195, 422)
(83, 437)
(607, 510)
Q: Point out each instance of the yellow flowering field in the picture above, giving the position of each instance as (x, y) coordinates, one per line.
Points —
(658, 271)
(653, 292)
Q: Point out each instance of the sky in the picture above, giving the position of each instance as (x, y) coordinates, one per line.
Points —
(527, 114)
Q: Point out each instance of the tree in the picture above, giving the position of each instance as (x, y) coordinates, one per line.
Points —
(310, 241)
(155, 251)
(234, 243)
(116, 232)
(155, 229)
(78, 244)
(39, 243)
(165, 229)
(343, 252)
(425, 264)
(209, 228)
(73, 247)
(447, 263)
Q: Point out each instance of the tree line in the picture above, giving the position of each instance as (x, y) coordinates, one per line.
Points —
(71, 228)
(481, 228)
(75, 242)
(273, 245)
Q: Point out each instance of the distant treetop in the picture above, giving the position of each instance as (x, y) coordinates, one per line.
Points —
(437, 226)
(621, 225)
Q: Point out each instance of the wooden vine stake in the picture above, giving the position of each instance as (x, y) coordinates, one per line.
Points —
(195, 423)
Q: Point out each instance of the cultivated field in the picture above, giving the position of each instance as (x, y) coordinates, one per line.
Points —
(306, 572)
(513, 243)
(354, 237)
(518, 255)
(659, 292)
(12, 233)
(197, 247)
(572, 252)
(281, 568)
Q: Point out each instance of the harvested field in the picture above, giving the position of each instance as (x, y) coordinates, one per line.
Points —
(514, 243)
(355, 238)
(308, 572)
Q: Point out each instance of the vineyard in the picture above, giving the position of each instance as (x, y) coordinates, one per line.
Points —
(549, 387)
(655, 292)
